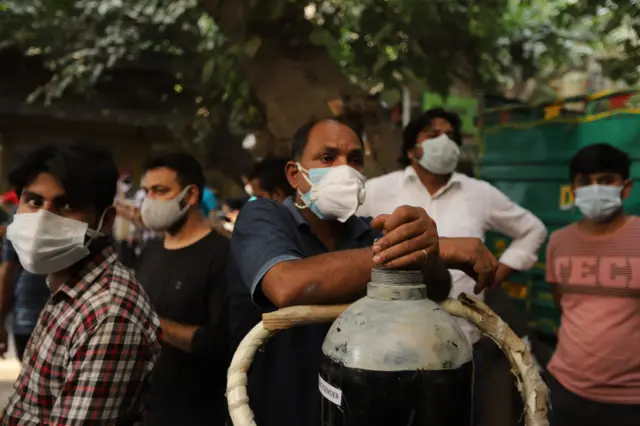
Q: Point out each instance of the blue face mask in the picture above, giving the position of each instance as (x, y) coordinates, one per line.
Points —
(598, 202)
(315, 176)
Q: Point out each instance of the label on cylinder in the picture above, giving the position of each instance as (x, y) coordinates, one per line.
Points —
(331, 393)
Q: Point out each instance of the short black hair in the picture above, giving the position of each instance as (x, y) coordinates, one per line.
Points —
(301, 136)
(235, 203)
(186, 166)
(600, 158)
(271, 174)
(87, 172)
(419, 123)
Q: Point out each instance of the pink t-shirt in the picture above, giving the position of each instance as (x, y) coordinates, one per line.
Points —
(598, 353)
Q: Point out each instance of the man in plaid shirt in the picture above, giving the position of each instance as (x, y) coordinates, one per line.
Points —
(91, 355)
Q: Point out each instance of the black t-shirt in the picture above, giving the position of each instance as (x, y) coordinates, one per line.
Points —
(188, 286)
(283, 379)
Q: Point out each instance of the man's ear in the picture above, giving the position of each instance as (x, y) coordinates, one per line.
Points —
(292, 170)
(415, 153)
(626, 189)
(193, 196)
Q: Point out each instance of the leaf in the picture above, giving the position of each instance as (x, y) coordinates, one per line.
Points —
(318, 37)
(382, 61)
(391, 96)
(277, 8)
(381, 35)
(207, 70)
(251, 47)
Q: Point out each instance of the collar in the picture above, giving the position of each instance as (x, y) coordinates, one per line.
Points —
(356, 226)
(87, 271)
(456, 180)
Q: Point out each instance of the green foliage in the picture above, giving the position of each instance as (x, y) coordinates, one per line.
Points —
(380, 44)
(487, 45)
(80, 41)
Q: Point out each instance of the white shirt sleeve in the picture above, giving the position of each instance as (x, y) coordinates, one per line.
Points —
(381, 195)
(366, 209)
(527, 231)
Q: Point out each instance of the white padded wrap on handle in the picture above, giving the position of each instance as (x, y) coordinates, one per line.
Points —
(533, 390)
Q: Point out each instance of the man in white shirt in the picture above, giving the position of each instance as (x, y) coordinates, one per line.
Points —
(460, 205)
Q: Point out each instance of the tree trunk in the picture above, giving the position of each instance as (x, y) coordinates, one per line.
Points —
(296, 83)
(225, 153)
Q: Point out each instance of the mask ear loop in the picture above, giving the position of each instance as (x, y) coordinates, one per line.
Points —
(95, 233)
(304, 173)
(179, 198)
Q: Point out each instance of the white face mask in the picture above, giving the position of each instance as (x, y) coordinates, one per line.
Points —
(336, 192)
(599, 202)
(48, 243)
(160, 215)
(440, 155)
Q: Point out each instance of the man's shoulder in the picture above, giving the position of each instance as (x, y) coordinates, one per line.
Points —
(261, 204)
(214, 241)
(384, 181)
(259, 211)
(474, 183)
(566, 233)
(118, 294)
(213, 249)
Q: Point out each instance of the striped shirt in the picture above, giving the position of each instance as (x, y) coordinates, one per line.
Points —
(598, 352)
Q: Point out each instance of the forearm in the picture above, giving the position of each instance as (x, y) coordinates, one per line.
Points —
(7, 274)
(178, 335)
(329, 278)
(502, 273)
(557, 296)
(522, 253)
(6, 301)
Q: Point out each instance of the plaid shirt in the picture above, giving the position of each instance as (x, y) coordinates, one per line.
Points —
(92, 352)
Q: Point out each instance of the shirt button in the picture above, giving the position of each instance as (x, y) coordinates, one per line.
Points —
(178, 285)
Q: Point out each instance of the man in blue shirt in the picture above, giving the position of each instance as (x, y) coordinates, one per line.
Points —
(22, 293)
(313, 250)
(209, 202)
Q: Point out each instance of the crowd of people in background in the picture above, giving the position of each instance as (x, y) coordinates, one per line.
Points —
(129, 300)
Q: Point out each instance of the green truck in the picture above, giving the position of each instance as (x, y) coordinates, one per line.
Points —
(525, 150)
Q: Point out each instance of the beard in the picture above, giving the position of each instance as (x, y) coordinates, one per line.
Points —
(178, 225)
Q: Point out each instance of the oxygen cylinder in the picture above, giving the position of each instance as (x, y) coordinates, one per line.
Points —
(396, 358)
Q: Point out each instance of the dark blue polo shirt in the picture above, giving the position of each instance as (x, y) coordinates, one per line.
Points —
(283, 380)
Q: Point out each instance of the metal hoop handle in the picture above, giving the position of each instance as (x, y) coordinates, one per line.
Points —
(533, 390)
